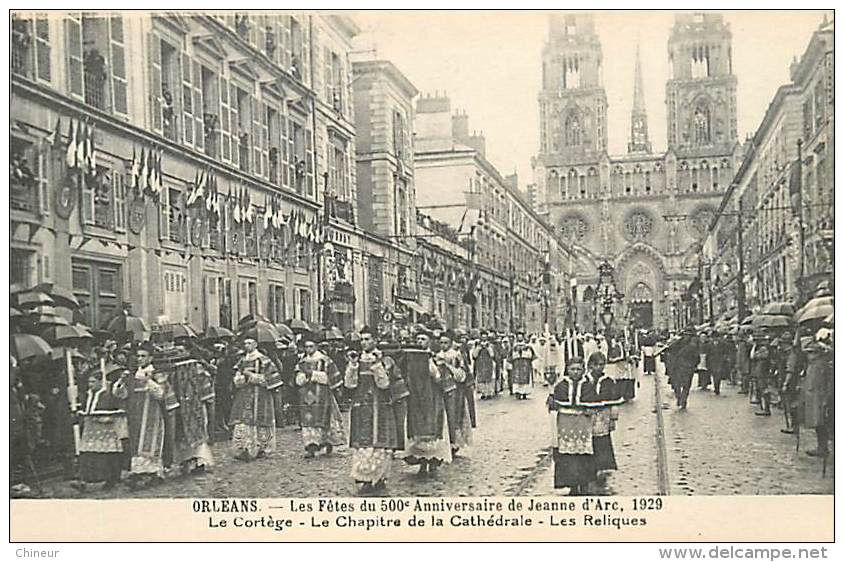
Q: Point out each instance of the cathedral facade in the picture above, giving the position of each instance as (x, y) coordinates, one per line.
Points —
(644, 212)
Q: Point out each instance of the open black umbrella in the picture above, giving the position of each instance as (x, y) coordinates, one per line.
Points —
(61, 333)
(183, 331)
(786, 308)
(285, 332)
(298, 326)
(32, 298)
(818, 307)
(60, 295)
(134, 326)
(217, 332)
(44, 320)
(771, 321)
(26, 346)
(333, 334)
(261, 332)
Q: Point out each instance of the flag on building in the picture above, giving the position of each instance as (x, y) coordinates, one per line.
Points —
(70, 155)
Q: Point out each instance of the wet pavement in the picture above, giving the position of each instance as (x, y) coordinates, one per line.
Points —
(715, 447)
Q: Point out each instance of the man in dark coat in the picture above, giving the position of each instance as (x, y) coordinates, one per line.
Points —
(685, 363)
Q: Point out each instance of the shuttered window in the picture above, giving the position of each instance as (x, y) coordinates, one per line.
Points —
(198, 128)
(73, 27)
(187, 101)
(42, 49)
(155, 82)
(118, 188)
(118, 66)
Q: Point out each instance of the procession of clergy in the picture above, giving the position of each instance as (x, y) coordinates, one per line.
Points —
(411, 397)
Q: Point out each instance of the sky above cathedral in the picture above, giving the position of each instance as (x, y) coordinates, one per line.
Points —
(489, 63)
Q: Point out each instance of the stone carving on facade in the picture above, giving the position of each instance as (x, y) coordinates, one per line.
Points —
(573, 228)
(638, 226)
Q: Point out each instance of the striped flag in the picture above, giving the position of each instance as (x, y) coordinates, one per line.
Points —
(70, 155)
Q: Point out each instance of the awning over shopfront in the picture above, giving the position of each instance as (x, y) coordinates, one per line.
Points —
(413, 305)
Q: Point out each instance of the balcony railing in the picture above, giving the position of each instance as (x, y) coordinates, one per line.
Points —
(244, 152)
(212, 137)
(23, 198)
(95, 90)
(274, 167)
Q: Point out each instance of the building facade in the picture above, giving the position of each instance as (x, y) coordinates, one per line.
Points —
(782, 197)
(383, 103)
(644, 213)
(181, 163)
(509, 244)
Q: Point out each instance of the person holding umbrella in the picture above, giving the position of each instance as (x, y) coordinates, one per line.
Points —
(789, 365)
(760, 370)
(817, 392)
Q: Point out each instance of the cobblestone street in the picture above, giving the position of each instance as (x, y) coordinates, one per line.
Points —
(719, 447)
(716, 447)
(510, 440)
(635, 451)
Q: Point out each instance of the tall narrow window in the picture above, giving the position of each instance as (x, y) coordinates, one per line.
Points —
(702, 124)
(573, 130)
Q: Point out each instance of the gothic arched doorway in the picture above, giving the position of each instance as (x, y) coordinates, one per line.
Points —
(642, 307)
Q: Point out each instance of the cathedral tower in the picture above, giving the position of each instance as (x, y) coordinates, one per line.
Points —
(572, 102)
(639, 141)
(701, 88)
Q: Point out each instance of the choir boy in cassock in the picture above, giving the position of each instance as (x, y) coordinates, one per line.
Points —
(459, 394)
(253, 410)
(317, 377)
(574, 400)
(104, 431)
(373, 434)
(428, 443)
(620, 369)
(552, 361)
(604, 418)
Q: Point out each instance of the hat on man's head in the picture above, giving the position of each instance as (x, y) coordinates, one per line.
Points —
(366, 330)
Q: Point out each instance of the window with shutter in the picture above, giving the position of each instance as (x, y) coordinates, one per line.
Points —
(329, 83)
(187, 100)
(155, 82)
(199, 127)
(283, 34)
(309, 162)
(42, 49)
(234, 123)
(164, 215)
(257, 137)
(44, 172)
(118, 187)
(73, 27)
(87, 207)
(225, 126)
(118, 66)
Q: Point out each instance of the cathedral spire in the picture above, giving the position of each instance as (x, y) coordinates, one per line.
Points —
(638, 86)
(639, 141)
